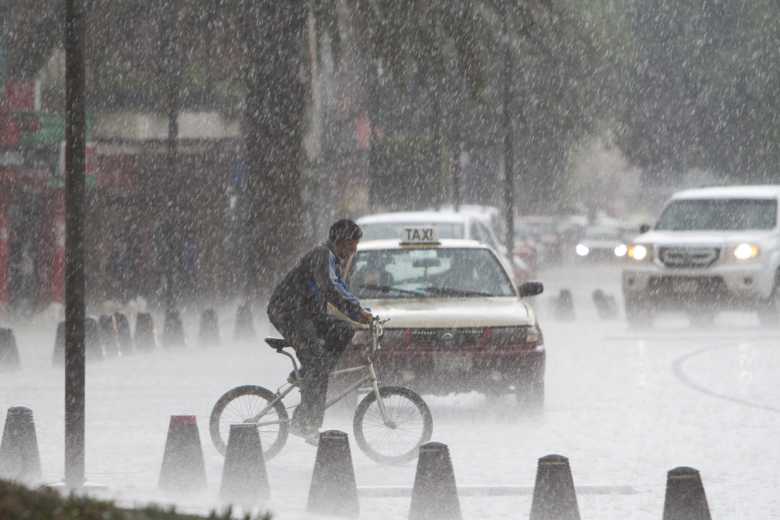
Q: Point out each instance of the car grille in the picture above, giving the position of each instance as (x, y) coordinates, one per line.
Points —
(688, 257)
(456, 338)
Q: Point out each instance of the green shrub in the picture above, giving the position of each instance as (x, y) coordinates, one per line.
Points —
(20, 503)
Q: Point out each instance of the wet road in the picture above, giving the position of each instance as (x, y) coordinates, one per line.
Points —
(624, 406)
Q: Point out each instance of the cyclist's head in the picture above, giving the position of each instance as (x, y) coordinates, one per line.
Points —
(344, 235)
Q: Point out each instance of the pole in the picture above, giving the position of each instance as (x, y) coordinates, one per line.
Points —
(74, 244)
(172, 209)
(509, 159)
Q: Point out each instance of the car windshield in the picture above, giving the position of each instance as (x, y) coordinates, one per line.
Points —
(428, 273)
(392, 230)
(718, 215)
(602, 234)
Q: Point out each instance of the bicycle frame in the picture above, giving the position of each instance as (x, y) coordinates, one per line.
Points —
(376, 328)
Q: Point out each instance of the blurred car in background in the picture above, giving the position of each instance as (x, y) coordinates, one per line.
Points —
(546, 235)
(469, 225)
(601, 243)
(457, 321)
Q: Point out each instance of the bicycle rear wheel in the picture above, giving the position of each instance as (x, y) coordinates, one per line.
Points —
(243, 404)
(412, 425)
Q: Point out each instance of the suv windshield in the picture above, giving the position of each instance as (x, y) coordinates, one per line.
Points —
(392, 230)
(428, 273)
(718, 215)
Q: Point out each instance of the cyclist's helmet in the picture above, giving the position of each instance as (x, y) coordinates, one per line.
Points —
(345, 229)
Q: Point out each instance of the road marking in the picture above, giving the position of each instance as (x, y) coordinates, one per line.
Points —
(679, 372)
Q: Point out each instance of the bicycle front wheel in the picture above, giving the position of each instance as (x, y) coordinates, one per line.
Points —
(409, 424)
(244, 404)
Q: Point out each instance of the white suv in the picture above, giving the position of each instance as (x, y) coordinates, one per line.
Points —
(711, 249)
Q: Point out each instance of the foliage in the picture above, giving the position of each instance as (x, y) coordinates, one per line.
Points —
(17, 501)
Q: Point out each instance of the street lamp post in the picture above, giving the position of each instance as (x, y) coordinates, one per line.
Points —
(75, 131)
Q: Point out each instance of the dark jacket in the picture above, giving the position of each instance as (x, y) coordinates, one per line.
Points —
(307, 289)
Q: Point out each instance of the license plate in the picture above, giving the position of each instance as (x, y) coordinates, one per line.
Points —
(685, 286)
(452, 362)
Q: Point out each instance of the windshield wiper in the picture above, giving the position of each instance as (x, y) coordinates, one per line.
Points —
(449, 291)
(387, 288)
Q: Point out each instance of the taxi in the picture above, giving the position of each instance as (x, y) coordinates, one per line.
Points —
(458, 322)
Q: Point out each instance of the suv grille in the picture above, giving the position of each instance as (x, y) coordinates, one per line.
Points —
(682, 257)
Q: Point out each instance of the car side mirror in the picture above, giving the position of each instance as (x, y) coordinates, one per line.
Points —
(644, 228)
(530, 289)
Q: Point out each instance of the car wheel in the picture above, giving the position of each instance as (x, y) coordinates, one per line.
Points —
(530, 396)
(769, 309)
(638, 314)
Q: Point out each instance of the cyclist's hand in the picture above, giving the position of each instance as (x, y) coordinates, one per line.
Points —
(366, 316)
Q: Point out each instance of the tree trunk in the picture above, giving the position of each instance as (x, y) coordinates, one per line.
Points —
(274, 121)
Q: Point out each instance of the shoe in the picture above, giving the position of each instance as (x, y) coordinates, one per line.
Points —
(307, 434)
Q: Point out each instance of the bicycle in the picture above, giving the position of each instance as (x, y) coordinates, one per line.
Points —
(390, 422)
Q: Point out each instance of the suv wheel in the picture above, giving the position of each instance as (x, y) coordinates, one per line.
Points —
(769, 309)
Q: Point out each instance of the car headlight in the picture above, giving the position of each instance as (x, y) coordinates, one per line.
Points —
(582, 250)
(639, 252)
(621, 250)
(746, 251)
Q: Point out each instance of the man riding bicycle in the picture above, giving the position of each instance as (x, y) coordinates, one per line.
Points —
(299, 310)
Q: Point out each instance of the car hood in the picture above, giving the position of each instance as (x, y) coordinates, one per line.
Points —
(701, 238)
(453, 312)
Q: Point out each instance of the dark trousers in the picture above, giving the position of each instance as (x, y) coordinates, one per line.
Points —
(318, 344)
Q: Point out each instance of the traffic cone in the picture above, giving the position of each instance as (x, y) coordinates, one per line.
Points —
(208, 335)
(183, 468)
(333, 489)
(173, 329)
(245, 325)
(9, 352)
(606, 306)
(564, 305)
(244, 478)
(124, 337)
(144, 332)
(554, 494)
(435, 494)
(685, 497)
(19, 457)
(108, 335)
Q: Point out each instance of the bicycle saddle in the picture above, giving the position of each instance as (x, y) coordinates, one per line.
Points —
(277, 343)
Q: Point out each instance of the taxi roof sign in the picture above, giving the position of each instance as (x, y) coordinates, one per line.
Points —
(419, 235)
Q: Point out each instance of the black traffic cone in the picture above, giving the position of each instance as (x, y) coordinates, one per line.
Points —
(208, 335)
(245, 325)
(183, 468)
(93, 346)
(9, 352)
(108, 335)
(554, 494)
(564, 305)
(144, 332)
(244, 478)
(173, 329)
(19, 457)
(606, 307)
(685, 497)
(435, 494)
(333, 489)
(124, 337)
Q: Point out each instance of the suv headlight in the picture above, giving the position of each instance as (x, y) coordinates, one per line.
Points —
(745, 251)
(640, 252)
